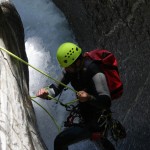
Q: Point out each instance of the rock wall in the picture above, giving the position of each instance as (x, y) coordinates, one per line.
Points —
(123, 27)
(18, 129)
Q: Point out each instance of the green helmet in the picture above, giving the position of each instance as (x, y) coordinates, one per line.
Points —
(67, 53)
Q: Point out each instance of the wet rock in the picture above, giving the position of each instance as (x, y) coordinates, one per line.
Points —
(18, 128)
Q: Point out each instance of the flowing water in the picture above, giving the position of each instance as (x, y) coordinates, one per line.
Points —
(45, 29)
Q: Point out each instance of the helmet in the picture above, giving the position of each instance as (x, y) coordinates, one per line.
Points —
(67, 53)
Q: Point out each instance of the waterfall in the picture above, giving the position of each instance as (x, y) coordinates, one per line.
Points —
(45, 29)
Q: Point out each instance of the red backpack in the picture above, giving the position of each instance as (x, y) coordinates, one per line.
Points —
(109, 67)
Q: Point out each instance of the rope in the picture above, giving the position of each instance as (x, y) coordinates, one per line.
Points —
(62, 104)
(59, 128)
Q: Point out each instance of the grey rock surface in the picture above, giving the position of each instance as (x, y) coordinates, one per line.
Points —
(18, 128)
(123, 27)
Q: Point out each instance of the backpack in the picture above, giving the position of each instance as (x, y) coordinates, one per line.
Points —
(109, 67)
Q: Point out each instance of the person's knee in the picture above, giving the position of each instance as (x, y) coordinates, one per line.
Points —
(58, 140)
(59, 143)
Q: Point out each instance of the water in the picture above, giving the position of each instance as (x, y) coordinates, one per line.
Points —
(45, 29)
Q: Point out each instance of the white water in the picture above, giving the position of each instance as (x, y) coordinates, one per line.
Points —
(45, 29)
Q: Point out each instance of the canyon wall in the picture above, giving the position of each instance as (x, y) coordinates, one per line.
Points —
(123, 27)
(18, 127)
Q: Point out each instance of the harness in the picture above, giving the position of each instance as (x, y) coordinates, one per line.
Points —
(105, 123)
(74, 117)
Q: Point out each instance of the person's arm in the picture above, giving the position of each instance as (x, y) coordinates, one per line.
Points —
(102, 98)
(102, 94)
(101, 87)
(54, 89)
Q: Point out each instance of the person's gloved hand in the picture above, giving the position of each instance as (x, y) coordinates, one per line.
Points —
(42, 93)
(46, 93)
(83, 96)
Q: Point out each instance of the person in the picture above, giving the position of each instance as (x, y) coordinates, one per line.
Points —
(93, 94)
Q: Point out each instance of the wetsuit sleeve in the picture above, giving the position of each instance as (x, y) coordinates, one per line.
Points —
(102, 94)
(57, 88)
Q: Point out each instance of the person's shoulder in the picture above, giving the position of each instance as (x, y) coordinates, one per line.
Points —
(92, 64)
(92, 67)
(87, 62)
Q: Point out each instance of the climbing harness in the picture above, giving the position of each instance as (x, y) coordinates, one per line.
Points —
(74, 117)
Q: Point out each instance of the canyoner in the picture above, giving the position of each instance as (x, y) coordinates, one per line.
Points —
(95, 78)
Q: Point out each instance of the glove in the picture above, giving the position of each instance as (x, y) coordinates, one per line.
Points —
(83, 96)
(51, 93)
(45, 92)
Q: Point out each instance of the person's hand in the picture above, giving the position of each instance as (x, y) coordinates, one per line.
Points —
(42, 93)
(83, 96)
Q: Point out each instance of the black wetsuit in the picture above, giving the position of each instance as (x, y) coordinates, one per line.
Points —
(93, 81)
